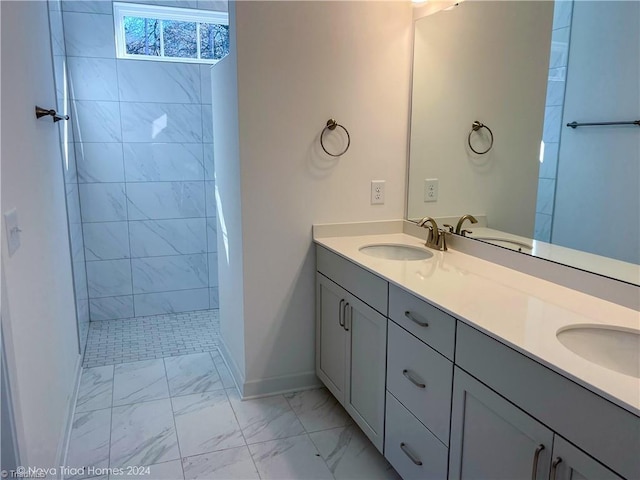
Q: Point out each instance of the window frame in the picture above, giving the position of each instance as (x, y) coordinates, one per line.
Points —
(121, 10)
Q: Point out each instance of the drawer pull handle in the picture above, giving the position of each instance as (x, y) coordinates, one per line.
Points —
(408, 375)
(409, 454)
(341, 313)
(536, 458)
(554, 468)
(347, 308)
(410, 316)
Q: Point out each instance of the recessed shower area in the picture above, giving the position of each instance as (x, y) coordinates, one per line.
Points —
(139, 171)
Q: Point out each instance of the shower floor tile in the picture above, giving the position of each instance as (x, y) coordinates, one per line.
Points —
(112, 342)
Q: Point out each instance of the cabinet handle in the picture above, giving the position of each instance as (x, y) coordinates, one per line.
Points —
(409, 454)
(408, 375)
(536, 458)
(410, 316)
(341, 313)
(347, 306)
(554, 468)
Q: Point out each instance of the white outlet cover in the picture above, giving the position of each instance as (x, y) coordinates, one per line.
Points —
(377, 192)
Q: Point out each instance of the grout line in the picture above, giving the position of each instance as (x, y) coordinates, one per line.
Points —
(173, 415)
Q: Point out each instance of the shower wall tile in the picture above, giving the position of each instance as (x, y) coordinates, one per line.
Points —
(210, 188)
(214, 297)
(103, 202)
(542, 231)
(216, 5)
(552, 121)
(559, 48)
(161, 274)
(109, 278)
(171, 302)
(76, 242)
(170, 3)
(213, 269)
(161, 122)
(562, 13)
(163, 200)
(57, 31)
(73, 213)
(99, 162)
(89, 35)
(106, 241)
(546, 194)
(548, 168)
(212, 230)
(207, 124)
(555, 93)
(80, 280)
(172, 82)
(92, 78)
(111, 308)
(163, 162)
(558, 74)
(205, 84)
(152, 238)
(96, 121)
(209, 165)
(88, 6)
(69, 166)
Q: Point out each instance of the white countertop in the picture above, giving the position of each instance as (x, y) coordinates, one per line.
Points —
(519, 310)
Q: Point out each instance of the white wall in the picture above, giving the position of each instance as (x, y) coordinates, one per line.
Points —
(298, 64)
(38, 313)
(485, 61)
(224, 93)
(597, 205)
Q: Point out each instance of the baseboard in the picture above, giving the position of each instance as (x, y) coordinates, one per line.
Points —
(265, 387)
(232, 366)
(63, 444)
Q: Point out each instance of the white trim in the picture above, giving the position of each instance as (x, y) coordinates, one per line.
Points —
(63, 444)
(236, 373)
(266, 387)
(121, 10)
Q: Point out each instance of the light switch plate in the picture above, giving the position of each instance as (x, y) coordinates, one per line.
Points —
(13, 230)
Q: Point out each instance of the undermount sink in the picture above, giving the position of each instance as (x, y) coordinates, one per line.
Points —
(615, 348)
(394, 251)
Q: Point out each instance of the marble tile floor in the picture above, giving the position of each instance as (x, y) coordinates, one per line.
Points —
(143, 338)
(181, 418)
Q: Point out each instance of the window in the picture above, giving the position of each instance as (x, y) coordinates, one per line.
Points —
(149, 32)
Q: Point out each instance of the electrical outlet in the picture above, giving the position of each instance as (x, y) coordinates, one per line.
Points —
(377, 192)
(431, 190)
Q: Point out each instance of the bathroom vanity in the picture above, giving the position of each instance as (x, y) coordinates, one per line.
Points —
(452, 365)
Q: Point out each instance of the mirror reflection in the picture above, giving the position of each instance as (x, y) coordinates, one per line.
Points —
(494, 86)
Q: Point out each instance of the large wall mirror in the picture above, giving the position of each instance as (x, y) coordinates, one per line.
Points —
(522, 71)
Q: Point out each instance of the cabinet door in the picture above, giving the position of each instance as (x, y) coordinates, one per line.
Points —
(366, 363)
(331, 337)
(493, 439)
(570, 463)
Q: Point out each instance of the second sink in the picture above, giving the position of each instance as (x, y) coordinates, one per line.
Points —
(394, 251)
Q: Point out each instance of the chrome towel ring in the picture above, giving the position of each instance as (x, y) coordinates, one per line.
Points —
(331, 125)
(475, 126)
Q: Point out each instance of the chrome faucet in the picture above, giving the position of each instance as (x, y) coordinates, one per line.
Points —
(469, 217)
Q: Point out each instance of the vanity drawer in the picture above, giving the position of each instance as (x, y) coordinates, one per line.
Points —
(413, 314)
(413, 450)
(421, 379)
(368, 287)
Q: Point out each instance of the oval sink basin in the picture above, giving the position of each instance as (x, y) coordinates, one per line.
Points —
(614, 348)
(506, 242)
(391, 251)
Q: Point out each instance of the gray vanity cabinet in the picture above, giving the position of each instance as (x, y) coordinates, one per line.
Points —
(571, 463)
(493, 439)
(351, 340)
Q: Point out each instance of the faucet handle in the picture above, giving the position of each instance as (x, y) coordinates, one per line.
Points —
(464, 232)
(442, 239)
(450, 227)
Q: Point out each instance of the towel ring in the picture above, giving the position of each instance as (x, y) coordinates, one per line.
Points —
(475, 126)
(331, 125)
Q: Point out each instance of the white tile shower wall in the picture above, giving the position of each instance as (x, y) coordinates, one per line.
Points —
(553, 118)
(144, 152)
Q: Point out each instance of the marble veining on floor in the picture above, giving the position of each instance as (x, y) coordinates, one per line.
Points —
(181, 418)
(145, 338)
